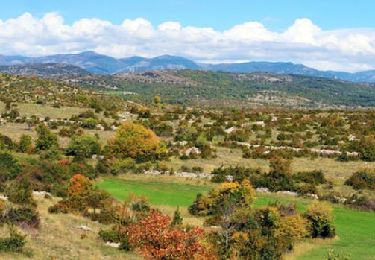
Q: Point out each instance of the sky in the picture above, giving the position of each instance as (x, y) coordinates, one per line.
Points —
(328, 35)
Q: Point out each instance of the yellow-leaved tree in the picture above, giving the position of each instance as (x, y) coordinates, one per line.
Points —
(137, 142)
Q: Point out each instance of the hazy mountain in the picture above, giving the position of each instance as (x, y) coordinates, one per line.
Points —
(102, 64)
(44, 70)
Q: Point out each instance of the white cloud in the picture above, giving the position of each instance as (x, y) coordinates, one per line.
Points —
(303, 41)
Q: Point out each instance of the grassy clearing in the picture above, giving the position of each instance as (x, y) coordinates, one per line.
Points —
(59, 237)
(355, 229)
(158, 192)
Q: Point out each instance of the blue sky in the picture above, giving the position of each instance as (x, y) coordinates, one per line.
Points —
(327, 35)
(219, 14)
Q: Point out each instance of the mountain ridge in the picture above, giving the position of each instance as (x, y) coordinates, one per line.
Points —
(103, 64)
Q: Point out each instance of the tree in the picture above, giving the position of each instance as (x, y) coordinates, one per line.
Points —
(137, 142)
(20, 191)
(320, 217)
(46, 139)
(157, 100)
(79, 186)
(177, 219)
(84, 146)
(154, 237)
(25, 144)
(9, 168)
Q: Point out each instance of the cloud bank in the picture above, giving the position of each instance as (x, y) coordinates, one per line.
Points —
(303, 42)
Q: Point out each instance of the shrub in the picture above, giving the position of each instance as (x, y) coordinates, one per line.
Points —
(23, 216)
(84, 146)
(304, 189)
(320, 219)
(364, 179)
(177, 219)
(14, 243)
(114, 235)
(25, 144)
(19, 191)
(312, 177)
(156, 239)
(9, 167)
(46, 139)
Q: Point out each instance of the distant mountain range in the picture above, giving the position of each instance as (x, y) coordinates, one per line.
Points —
(102, 64)
(45, 70)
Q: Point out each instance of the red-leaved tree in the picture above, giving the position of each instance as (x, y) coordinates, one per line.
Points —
(154, 237)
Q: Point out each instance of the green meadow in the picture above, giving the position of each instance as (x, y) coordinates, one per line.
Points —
(355, 229)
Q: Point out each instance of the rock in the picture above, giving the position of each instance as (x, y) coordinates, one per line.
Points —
(114, 245)
(287, 193)
(41, 193)
(313, 196)
(85, 228)
(262, 190)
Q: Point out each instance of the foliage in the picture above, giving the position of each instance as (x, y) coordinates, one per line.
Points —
(84, 146)
(25, 144)
(154, 237)
(46, 139)
(14, 243)
(177, 219)
(22, 216)
(19, 191)
(364, 179)
(311, 177)
(320, 217)
(9, 168)
(137, 142)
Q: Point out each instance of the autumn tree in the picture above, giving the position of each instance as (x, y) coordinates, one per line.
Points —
(155, 238)
(137, 142)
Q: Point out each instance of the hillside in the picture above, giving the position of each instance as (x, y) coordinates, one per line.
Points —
(188, 86)
(44, 70)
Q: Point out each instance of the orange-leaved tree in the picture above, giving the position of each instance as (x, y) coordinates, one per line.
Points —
(155, 238)
(79, 185)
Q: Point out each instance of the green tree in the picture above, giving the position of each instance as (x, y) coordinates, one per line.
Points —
(84, 146)
(177, 219)
(46, 139)
(25, 144)
(9, 168)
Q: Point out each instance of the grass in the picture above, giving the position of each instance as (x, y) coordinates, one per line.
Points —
(334, 170)
(355, 229)
(59, 237)
(158, 192)
(355, 233)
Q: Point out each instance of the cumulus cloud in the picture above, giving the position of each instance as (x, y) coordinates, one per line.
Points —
(303, 42)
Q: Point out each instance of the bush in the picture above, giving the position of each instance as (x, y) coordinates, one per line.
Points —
(320, 219)
(9, 167)
(115, 236)
(364, 179)
(46, 139)
(311, 177)
(20, 192)
(84, 146)
(23, 216)
(14, 243)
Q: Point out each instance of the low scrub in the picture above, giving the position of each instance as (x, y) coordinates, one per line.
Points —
(364, 179)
